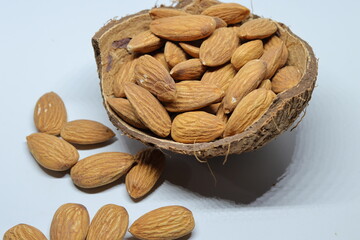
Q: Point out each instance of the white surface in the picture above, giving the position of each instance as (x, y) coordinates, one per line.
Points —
(46, 47)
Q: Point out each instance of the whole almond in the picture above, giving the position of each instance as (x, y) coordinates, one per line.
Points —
(250, 109)
(246, 52)
(125, 74)
(109, 223)
(24, 232)
(162, 12)
(86, 132)
(148, 109)
(51, 152)
(192, 95)
(165, 223)
(152, 75)
(266, 84)
(160, 56)
(286, 78)
(70, 222)
(190, 69)
(174, 54)
(183, 28)
(259, 28)
(231, 13)
(220, 76)
(196, 127)
(126, 112)
(143, 176)
(212, 108)
(219, 47)
(220, 22)
(50, 114)
(247, 79)
(145, 42)
(101, 169)
(273, 58)
(191, 48)
(274, 43)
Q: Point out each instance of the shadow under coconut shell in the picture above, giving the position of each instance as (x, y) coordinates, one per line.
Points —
(242, 179)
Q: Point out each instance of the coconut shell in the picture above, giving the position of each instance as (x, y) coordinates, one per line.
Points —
(110, 52)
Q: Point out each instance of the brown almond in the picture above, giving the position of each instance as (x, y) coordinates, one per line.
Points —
(191, 48)
(50, 114)
(221, 114)
(162, 12)
(190, 69)
(273, 57)
(259, 28)
(86, 132)
(192, 95)
(24, 232)
(247, 79)
(183, 28)
(51, 152)
(160, 56)
(220, 76)
(250, 109)
(274, 43)
(152, 75)
(101, 169)
(231, 13)
(70, 222)
(212, 108)
(145, 42)
(196, 127)
(266, 84)
(125, 111)
(148, 109)
(286, 78)
(143, 176)
(246, 52)
(125, 74)
(174, 54)
(220, 23)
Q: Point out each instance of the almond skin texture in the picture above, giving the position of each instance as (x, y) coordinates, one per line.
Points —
(219, 47)
(125, 111)
(183, 28)
(145, 42)
(24, 232)
(125, 74)
(266, 84)
(153, 76)
(286, 78)
(70, 222)
(86, 132)
(247, 79)
(174, 54)
(165, 223)
(191, 48)
(192, 95)
(148, 109)
(156, 13)
(161, 58)
(50, 114)
(231, 13)
(220, 77)
(51, 152)
(109, 223)
(101, 169)
(143, 176)
(246, 52)
(256, 29)
(190, 69)
(196, 127)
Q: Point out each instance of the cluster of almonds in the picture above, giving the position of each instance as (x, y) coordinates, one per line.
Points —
(72, 221)
(58, 154)
(201, 77)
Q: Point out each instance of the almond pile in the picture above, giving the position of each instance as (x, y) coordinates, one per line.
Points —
(197, 78)
(71, 221)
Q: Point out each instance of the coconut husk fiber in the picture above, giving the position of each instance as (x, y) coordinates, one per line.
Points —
(108, 45)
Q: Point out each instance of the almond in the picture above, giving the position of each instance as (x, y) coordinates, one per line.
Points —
(221, 114)
(220, 76)
(196, 127)
(51, 152)
(148, 109)
(212, 108)
(231, 13)
(162, 12)
(220, 23)
(247, 79)
(246, 52)
(192, 95)
(171, 222)
(160, 56)
(109, 223)
(70, 222)
(125, 74)
(273, 57)
(145, 42)
(183, 28)
(24, 232)
(86, 132)
(50, 114)
(219, 47)
(190, 69)
(286, 78)
(151, 75)
(275, 42)
(174, 54)
(101, 169)
(142, 177)
(125, 111)
(259, 28)
(191, 48)
(250, 109)
(266, 84)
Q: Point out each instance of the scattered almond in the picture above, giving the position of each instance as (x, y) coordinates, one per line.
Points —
(145, 42)
(286, 78)
(190, 69)
(246, 52)
(231, 13)
(259, 28)
(24, 232)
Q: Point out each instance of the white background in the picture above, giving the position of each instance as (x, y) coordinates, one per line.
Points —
(303, 185)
